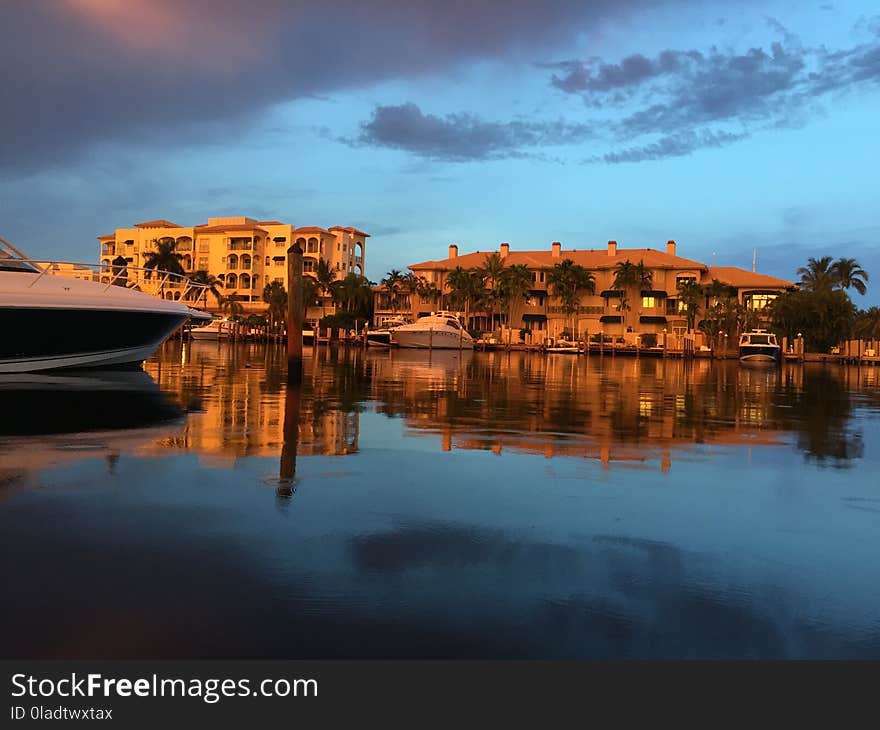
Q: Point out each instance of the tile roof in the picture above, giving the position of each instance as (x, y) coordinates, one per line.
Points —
(310, 229)
(160, 223)
(205, 228)
(740, 278)
(589, 258)
(107, 237)
(270, 223)
(349, 229)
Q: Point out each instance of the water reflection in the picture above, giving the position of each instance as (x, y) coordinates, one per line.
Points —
(446, 505)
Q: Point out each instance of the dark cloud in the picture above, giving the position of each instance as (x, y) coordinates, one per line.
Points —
(462, 137)
(73, 72)
(675, 145)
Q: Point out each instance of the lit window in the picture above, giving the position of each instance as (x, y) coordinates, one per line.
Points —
(648, 302)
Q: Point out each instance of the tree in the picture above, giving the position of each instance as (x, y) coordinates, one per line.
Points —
(629, 276)
(689, 295)
(209, 283)
(824, 317)
(849, 273)
(818, 275)
(868, 324)
(324, 278)
(428, 290)
(409, 284)
(392, 282)
(275, 295)
(568, 280)
(517, 283)
(231, 306)
(465, 288)
(164, 258)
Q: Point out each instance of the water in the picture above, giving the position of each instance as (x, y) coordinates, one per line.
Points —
(440, 505)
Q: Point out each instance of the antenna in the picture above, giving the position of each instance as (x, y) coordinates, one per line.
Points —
(754, 259)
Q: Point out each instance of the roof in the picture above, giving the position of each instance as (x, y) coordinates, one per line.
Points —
(310, 229)
(205, 228)
(160, 223)
(349, 229)
(741, 278)
(270, 223)
(588, 258)
(108, 236)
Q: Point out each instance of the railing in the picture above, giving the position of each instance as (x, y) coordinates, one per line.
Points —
(150, 281)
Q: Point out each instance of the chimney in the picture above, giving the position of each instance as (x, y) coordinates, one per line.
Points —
(670, 248)
(612, 248)
(453, 251)
(556, 250)
(505, 249)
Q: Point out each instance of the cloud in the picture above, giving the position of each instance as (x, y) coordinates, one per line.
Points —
(76, 72)
(462, 137)
(675, 145)
(696, 99)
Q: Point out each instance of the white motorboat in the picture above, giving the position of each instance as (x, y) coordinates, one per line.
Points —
(563, 346)
(218, 329)
(439, 331)
(381, 337)
(758, 346)
(68, 316)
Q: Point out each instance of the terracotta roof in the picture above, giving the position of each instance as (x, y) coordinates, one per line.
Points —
(270, 223)
(589, 258)
(160, 223)
(205, 228)
(310, 229)
(108, 236)
(741, 278)
(349, 229)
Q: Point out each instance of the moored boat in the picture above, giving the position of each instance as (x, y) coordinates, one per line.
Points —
(438, 331)
(67, 316)
(758, 346)
(381, 337)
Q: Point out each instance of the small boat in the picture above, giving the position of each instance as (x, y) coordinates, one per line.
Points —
(438, 331)
(218, 329)
(758, 346)
(382, 337)
(563, 346)
(65, 315)
(308, 336)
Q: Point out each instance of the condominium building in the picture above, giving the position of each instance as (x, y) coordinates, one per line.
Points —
(650, 309)
(243, 253)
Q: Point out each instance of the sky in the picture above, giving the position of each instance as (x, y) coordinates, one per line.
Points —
(733, 128)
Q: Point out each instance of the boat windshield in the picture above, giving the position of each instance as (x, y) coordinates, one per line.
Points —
(11, 259)
(453, 323)
(759, 339)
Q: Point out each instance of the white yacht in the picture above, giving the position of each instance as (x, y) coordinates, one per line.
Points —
(217, 329)
(381, 337)
(69, 316)
(758, 346)
(439, 331)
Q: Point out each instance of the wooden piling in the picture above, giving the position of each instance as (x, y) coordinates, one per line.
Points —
(294, 314)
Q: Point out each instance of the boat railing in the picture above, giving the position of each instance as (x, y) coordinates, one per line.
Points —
(162, 284)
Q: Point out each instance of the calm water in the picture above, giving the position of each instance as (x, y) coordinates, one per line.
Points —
(483, 505)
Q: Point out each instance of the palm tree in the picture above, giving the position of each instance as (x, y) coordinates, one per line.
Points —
(568, 279)
(231, 306)
(164, 258)
(210, 283)
(428, 290)
(517, 283)
(629, 276)
(324, 278)
(392, 282)
(492, 269)
(466, 287)
(818, 275)
(868, 324)
(409, 284)
(275, 295)
(689, 295)
(849, 273)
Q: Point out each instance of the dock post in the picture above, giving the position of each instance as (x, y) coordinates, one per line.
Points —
(294, 313)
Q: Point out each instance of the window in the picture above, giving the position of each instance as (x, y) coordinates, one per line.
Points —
(203, 263)
(648, 302)
(343, 265)
(542, 276)
(679, 280)
(280, 240)
(345, 247)
(308, 264)
(313, 245)
(757, 302)
(278, 280)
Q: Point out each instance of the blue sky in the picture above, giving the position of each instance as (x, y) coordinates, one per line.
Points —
(725, 127)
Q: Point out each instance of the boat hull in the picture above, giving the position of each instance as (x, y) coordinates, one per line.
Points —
(48, 339)
(439, 339)
(379, 338)
(759, 354)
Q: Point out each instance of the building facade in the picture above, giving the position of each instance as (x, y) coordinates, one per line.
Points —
(651, 309)
(244, 254)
